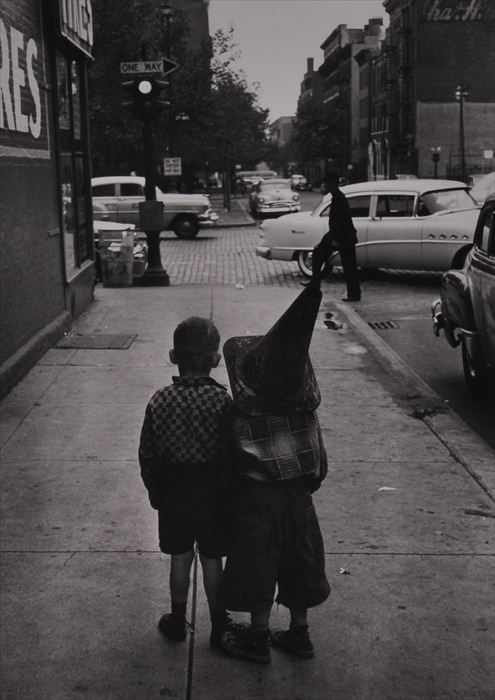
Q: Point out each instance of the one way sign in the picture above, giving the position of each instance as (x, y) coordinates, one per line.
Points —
(162, 66)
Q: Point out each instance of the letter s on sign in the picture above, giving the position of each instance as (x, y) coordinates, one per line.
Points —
(34, 121)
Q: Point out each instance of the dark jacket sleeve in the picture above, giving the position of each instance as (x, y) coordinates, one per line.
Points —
(340, 221)
(149, 461)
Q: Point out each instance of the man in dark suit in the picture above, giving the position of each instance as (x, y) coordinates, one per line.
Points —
(341, 236)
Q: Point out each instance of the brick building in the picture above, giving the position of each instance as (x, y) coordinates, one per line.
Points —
(46, 250)
(435, 46)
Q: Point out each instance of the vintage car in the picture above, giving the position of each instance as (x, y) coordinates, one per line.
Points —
(273, 198)
(405, 224)
(117, 198)
(247, 180)
(465, 310)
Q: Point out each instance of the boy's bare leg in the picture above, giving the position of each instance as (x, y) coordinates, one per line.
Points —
(180, 573)
(212, 574)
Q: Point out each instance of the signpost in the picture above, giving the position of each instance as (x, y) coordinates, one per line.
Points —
(143, 79)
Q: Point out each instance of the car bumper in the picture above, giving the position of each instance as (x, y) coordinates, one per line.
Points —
(278, 209)
(275, 253)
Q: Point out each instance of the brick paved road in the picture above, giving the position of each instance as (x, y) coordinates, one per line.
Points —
(224, 256)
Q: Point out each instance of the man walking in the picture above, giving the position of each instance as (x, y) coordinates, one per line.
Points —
(341, 236)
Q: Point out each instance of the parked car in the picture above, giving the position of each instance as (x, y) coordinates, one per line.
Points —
(405, 224)
(247, 180)
(299, 182)
(117, 198)
(273, 198)
(465, 310)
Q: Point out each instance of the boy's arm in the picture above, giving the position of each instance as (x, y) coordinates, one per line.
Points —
(316, 480)
(148, 461)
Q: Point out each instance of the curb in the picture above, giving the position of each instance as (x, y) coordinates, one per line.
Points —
(463, 443)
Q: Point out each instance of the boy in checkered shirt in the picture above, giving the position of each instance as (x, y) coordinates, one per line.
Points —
(185, 465)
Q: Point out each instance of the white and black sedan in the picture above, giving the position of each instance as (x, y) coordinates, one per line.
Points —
(415, 224)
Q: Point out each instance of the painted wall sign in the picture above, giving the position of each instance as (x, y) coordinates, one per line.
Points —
(458, 10)
(23, 100)
(76, 23)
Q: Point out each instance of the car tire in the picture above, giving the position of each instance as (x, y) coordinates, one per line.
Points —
(476, 372)
(185, 226)
(304, 258)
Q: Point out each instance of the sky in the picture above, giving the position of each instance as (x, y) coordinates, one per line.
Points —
(275, 37)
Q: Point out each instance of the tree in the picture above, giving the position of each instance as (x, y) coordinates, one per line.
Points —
(214, 116)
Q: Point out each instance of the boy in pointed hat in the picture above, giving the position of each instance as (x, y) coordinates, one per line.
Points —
(281, 460)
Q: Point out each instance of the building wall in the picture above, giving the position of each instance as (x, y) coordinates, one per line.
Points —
(438, 125)
(31, 282)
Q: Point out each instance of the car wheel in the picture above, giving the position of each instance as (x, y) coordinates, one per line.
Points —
(476, 372)
(185, 227)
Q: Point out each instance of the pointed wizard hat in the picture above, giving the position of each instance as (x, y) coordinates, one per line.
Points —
(273, 373)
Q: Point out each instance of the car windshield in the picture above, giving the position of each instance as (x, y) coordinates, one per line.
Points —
(446, 200)
(274, 185)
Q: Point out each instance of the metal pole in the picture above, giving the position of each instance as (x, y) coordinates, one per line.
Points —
(461, 134)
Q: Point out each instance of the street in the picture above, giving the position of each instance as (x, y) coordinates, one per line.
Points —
(396, 304)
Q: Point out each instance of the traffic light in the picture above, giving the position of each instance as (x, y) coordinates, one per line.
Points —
(144, 95)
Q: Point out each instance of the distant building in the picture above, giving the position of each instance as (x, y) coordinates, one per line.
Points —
(435, 46)
(281, 131)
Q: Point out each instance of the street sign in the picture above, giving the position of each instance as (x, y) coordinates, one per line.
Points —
(162, 66)
(488, 153)
(172, 166)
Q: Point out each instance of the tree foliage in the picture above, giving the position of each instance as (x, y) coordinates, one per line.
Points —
(214, 117)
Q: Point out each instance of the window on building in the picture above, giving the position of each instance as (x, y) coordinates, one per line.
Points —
(73, 165)
(392, 205)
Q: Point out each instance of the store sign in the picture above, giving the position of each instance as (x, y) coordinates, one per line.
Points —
(23, 107)
(76, 23)
(458, 10)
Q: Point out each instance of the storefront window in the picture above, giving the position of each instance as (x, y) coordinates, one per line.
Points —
(72, 164)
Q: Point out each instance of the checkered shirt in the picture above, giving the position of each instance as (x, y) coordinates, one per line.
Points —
(185, 423)
(279, 448)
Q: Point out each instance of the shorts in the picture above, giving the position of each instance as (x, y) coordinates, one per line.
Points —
(195, 516)
(277, 543)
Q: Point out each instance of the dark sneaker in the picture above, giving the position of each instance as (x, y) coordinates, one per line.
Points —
(172, 627)
(248, 644)
(226, 624)
(294, 641)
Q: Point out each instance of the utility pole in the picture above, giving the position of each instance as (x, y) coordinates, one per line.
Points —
(460, 95)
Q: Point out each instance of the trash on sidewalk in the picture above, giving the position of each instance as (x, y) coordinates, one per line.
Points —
(344, 572)
(387, 488)
(239, 286)
(119, 258)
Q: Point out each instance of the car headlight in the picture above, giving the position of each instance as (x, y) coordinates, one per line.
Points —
(261, 200)
(295, 197)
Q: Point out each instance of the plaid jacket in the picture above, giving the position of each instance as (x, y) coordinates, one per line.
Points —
(186, 424)
(278, 448)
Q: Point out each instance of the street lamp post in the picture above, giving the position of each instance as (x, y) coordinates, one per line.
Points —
(435, 156)
(460, 95)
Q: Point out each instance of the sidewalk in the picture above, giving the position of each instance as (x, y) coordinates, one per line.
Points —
(407, 514)
(237, 216)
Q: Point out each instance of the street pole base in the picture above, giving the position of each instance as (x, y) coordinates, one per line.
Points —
(153, 278)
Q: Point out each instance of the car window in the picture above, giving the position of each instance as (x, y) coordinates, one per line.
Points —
(131, 189)
(391, 205)
(103, 190)
(486, 234)
(360, 206)
(447, 200)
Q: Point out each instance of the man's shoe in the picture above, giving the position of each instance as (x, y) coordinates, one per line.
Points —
(219, 627)
(294, 641)
(248, 644)
(351, 298)
(172, 627)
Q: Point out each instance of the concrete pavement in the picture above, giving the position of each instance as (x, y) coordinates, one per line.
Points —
(407, 513)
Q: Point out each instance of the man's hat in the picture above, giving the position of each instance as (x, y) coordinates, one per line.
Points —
(273, 373)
